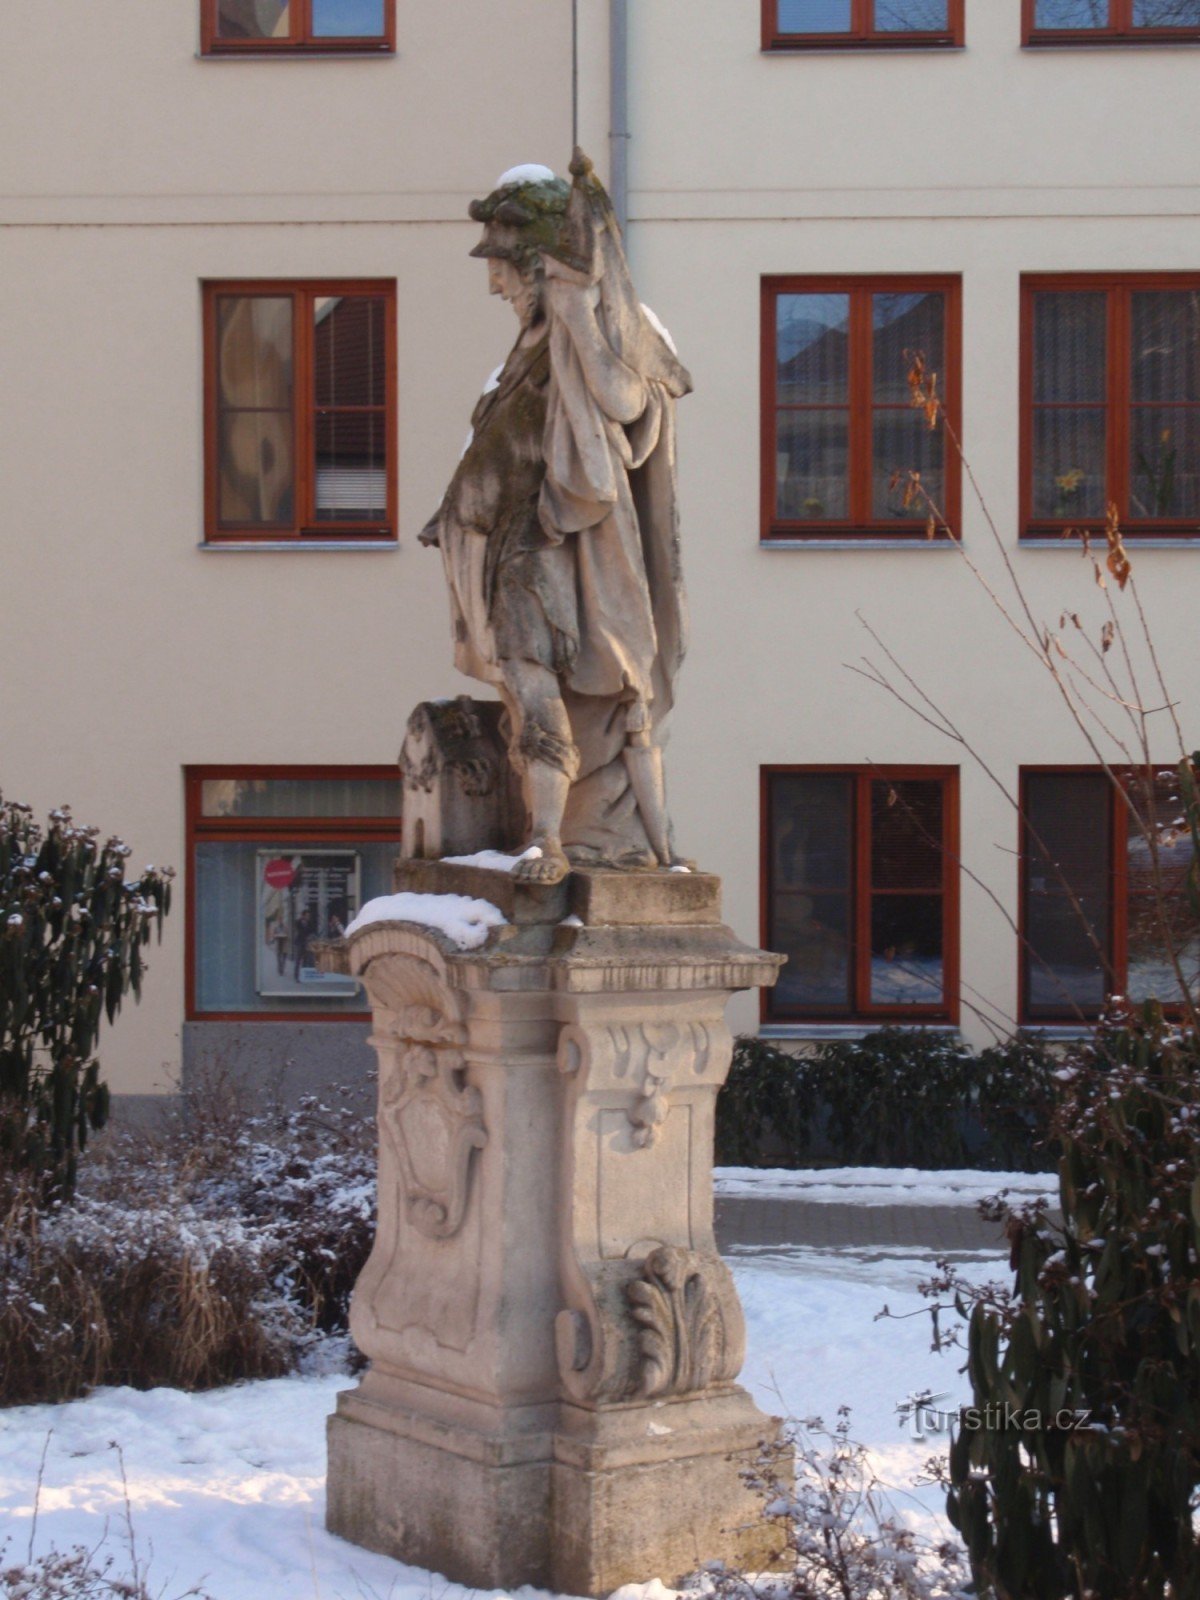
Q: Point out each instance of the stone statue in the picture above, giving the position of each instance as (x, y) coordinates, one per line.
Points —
(559, 531)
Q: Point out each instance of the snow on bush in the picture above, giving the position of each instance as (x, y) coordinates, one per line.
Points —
(222, 1251)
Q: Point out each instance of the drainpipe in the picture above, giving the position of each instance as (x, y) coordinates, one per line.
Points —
(618, 108)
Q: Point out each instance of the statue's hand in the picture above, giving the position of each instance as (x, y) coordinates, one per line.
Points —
(431, 532)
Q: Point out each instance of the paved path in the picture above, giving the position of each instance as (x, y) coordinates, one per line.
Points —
(755, 1221)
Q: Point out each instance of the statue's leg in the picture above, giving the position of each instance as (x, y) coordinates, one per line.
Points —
(546, 757)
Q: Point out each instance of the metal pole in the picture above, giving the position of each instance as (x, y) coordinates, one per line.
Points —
(574, 73)
(618, 53)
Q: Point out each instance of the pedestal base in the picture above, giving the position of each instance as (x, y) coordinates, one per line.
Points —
(611, 1498)
(553, 1335)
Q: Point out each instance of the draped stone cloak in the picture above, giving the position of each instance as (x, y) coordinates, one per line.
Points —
(560, 535)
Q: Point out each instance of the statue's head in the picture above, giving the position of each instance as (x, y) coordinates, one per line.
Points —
(524, 219)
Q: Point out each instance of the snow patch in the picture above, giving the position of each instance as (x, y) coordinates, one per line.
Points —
(464, 921)
(530, 172)
(495, 860)
(660, 328)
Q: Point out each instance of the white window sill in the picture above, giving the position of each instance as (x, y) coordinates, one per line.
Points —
(294, 546)
(296, 55)
(1133, 543)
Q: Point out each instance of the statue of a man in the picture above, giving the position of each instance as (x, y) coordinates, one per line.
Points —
(559, 530)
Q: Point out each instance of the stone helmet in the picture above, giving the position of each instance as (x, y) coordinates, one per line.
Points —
(524, 217)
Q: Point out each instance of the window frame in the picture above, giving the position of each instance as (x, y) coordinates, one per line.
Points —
(301, 41)
(1119, 287)
(305, 527)
(282, 831)
(860, 388)
(1120, 30)
(1116, 962)
(862, 35)
(861, 1013)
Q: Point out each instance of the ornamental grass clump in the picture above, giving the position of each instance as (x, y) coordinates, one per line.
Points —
(72, 932)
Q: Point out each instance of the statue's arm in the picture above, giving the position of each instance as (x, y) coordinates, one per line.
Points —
(573, 302)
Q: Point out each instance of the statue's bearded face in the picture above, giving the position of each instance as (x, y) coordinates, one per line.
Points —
(522, 290)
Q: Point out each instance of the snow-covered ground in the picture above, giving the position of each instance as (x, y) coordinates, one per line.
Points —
(227, 1488)
(882, 1186)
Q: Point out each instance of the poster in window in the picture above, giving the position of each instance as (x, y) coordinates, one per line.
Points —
(303, 896)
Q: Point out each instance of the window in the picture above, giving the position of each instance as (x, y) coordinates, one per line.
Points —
(300, 411)
(839, 431)
(1111, 21)
(819, 24)
(276, 27)
(1111, 404)
(861, 893)
(278, 857)
(1089, 909)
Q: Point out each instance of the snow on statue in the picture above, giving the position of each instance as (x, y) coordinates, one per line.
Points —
(559, 530)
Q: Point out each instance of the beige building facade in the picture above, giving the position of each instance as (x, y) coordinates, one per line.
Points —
(170, 671)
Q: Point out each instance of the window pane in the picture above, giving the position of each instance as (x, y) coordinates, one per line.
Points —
(1164, 465)
(906, 834)
(301, 797)
(811, 464)
(351, 480)
(1071, 14)
(903, 442)
(912, 16)
(254, 350)
(347, 19)
(348, 333)
(812, 337)
(242, 937)
(813, 931)
(811, 830)
(905, 324)
(1070, 814)
(254, 465)
(906, 950)
(1166, 13)
(253, 19)
(814, 16)
(1068, 463)
(1165, 360)
(1069, 342)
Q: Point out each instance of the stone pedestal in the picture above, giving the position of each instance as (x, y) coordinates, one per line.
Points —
(553, 1336)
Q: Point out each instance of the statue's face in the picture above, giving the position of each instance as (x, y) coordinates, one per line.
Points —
(522, 291)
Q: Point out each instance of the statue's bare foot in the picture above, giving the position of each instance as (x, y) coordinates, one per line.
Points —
(550, 867)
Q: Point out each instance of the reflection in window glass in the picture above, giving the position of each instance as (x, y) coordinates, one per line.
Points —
(1166, 13)
(912, 16)
(254, 19)
(1067, 854)
(1071, 14)
(256, 426)
(815, 16)
(347, 19)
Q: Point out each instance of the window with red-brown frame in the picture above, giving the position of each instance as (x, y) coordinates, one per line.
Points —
(1099, 915)
(278, 857)
(840, 434)
(825, 24)
(1110, 21)
(300, 410)
(282, 27)
(1110, 403)
(860, 892)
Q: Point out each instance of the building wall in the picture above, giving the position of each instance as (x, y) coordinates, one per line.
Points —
(988, 162)
(131, 170)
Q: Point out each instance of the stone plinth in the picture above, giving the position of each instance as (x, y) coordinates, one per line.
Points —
(553, 1337)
